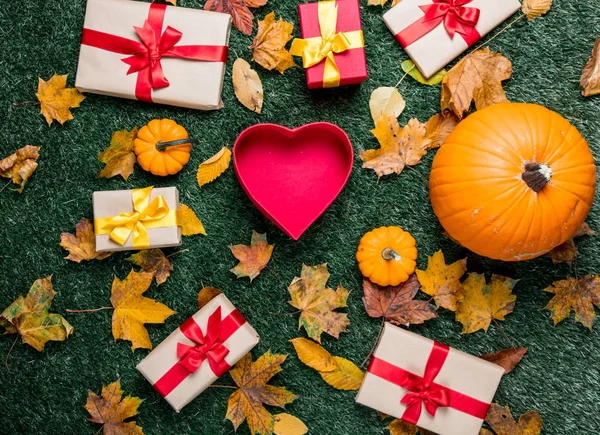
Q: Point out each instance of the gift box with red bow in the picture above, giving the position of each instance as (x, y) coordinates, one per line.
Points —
(429, 384)
(154, 53)
(197, 353)
(434, 32)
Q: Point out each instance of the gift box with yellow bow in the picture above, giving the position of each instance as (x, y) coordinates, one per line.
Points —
(332, 44)
(137, 219)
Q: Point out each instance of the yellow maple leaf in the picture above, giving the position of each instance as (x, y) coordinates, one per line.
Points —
(442, 281)
(590, 76)
(502, 422)
(20, 165)
(132, 310)
(153, 261)
(483, 302)
(268, 47)
(286, 424)
(119, 156)
(535, 8)
(212, 168)
(206, 295)
(253, 258)
(190, 224)
(82, 244)
(247, 85)
(111, 410)
(56, 99)
(578, 294)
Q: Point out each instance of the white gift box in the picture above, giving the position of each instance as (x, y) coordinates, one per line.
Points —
(161, 366)
(470, 382)
(436, 49)
(192, 83)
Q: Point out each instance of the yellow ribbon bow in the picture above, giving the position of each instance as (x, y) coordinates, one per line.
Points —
(146, 214)
(314, 50)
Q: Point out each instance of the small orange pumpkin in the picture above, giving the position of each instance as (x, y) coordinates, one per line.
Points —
(513, 181)
(161, 147)
(387, 255)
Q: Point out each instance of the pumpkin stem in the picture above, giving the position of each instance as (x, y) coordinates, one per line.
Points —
(162, 146)
(536, 176)
(389, 254)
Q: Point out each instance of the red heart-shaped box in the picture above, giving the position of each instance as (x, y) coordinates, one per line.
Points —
(293, 175)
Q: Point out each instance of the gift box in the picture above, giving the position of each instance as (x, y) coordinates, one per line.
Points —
(429, 384)
(197, 353)
(154, 53)
(434, 32)
(136, 219)
(332, 47)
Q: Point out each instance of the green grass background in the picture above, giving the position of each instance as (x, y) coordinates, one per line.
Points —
(44, 393)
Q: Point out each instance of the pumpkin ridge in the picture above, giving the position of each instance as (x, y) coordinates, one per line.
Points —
(549, 160)
(486, 151)
(493, 132)
(573, 194)
(572, 168)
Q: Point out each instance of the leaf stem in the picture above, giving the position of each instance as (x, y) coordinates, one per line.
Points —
(374, 344)
(505, 335)
(10, 350)
(222, 386)
(6, 185)
(285, 314)
(23, 103)
(504, 29)
(90, 310)
(275, 273)
(178, 252)
(404, 76)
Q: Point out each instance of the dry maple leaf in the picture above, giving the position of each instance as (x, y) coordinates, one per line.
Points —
(316, 303)
(209, 170)
(442, 281)
(238, 9)
(253, 258)
(484, 302)
(386, 101)
(82, 244)
(502, 422)
(535, 8)
(477, 77)
(579, 294)
(20, 165)
(190, 224)
(119, 156)
(206, 295)
(398, 147)
(132, 309)
(286, 424)
(29, 317)
(568, 252)
(56, 99)
(507, 358)
(153, 261)
(247, 85)
(401, 427)
(590, 76)
(111, 410)
(396, 304)
(268, 46)
(439, 127)
(247, 403)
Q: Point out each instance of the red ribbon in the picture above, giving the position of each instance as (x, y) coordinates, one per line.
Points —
(208, 347)
(423, 391)
(456, 18)
(154, 44)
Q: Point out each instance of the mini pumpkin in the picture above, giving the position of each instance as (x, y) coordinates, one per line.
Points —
(386, 255)
(161, 147)
(513, 181)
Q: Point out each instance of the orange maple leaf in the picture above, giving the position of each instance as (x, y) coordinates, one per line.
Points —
(82, 244)
(111, 411)
(253, 258)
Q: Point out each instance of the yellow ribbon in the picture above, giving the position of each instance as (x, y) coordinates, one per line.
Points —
(146, 214)
(314, 50)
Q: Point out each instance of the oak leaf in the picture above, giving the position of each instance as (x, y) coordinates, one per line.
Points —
(286, 424)
(247, 86)
(590, 76)
(210, 169)
(238, 9)
(153, 261)
(20, 165)
(502, 422)
(568, 252)
(477, 77)
(484, 302)
(56, 99)
(439, 127)
(535, 8)
(268, 46)
(386, 101)
(190, 224)
(507, 358)
(442, 281)
(247, 403)
(30, 318)
(409, 67)
(578, 294)
(396, 304)
(206, 295)
(111, 410)
(316, 303)
(254, 258)
(82, 244)
(132, 310)
(314, 355)
(119, 156)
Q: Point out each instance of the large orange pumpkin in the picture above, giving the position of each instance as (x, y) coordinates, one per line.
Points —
(513, 181)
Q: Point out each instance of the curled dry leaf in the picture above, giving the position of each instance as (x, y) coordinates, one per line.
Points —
(568, 252)
(507, 358)
(119, 156)
(409, 67)
(56, 99)
(253, 258)
(286, 424)
(247, 86)
(82, 244)
(535, 8)
(190, 224)
(206, 295)
(590, 77)
(268, 47)
(238, 9)
(209, 170)
(386, 101)
(578, 294)
(20, 165)
(111, 410)
(442, 281)
(439, 127)
(153, 261)
(502, 422)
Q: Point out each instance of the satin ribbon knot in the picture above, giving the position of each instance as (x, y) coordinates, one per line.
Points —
(456, 16)
(432, 397)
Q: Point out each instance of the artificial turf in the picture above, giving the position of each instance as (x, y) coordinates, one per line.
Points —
(44, 392)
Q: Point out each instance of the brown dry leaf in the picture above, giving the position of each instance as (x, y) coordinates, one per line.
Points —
(439, 127)
(484, 302)
(56, 99)
(386, 101)
(477, 77)
(255, 3)
(398, 147)
(209, 170)
(503, 423)
(190, 224)
(153, 261)
(247, 403)
(119, 156)
(20, 165)
(316, 303)
(268, 47)
(590, 76)
(535, 8)
(286, 424)
(314, 355)
(401, 427)
(111, 411)
(579, 294)
(442, 281)
(247, 86)
(82, 244)
(568, 252)
(253, 258)
(206, 295)
(240, 14)
(507, 358)
(396, 304)
(132, 309)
